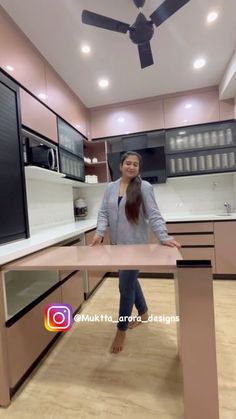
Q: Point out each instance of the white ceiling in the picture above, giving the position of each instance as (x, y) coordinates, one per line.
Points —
(55, 27)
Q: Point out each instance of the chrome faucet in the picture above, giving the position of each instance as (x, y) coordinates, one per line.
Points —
(227, 205)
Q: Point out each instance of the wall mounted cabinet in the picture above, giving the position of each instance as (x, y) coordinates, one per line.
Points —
(201, 149)
(64, 101)
(18, 52)
(38, 117)
(71, 151)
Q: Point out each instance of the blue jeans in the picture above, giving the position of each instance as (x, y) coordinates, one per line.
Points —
(130, 294)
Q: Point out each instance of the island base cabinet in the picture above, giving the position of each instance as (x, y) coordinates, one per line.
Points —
(225, 239)
(94, 277)
(27, 338)
(73, 291)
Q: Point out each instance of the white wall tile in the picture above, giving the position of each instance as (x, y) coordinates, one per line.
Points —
(194, 194)
(48, 203)
(93, 197)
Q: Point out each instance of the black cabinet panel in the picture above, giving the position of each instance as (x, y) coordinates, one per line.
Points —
(13, 216)
(70, 139)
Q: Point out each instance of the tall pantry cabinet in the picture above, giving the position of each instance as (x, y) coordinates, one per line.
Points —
(13, 208)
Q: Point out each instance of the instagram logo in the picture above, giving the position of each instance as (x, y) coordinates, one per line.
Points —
(58, 317)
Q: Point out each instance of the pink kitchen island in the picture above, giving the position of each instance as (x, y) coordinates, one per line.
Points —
(194, 306)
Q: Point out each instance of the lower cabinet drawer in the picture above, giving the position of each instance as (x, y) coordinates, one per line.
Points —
(188, 227)
(73, 291)
(199, 253)
(195, 239)
(27, 338)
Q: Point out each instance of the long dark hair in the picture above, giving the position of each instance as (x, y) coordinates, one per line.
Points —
(134, 198)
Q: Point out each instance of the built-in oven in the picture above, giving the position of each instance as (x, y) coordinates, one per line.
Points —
(39, 152)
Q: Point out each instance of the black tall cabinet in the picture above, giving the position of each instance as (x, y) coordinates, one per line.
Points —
(13, 206)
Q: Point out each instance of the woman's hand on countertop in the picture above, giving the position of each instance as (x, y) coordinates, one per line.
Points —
(96, 240)
(172, 243)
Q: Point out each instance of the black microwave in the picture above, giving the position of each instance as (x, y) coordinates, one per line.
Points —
(39, 152)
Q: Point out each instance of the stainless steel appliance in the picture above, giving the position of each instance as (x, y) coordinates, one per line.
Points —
(39, 152)
(80, 208)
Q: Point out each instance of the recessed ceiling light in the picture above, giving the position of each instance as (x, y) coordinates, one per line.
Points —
(103, 83)
(185, 120)
(85, 49)
(188, 105)
(211, 17)
(42, 96)
(121, 119)
(77, 126)
(199, 63)
(9, 68)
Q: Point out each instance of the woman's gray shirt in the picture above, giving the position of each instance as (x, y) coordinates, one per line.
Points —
(121, 230)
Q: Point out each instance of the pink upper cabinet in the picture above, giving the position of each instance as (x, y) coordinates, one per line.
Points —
(227, 109)
(127, 118)
(190, 109)
(37, 117)
(64, 102)
(18, 53)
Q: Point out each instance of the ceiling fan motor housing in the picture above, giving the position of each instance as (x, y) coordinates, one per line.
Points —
(142, 30)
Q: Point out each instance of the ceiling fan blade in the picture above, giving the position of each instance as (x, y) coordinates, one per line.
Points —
(165, 10)
(145, 54)
(104, 22)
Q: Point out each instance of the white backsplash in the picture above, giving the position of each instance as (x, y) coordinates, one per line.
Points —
(48, 204)
(183, 195)
(93, 196)
(196, 194)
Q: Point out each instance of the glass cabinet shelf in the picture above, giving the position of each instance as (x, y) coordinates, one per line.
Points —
(208, 148)
(70, 139)
(202, 137)
(205, 161)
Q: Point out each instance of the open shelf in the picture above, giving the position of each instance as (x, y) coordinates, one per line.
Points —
(94, 164)
(39, 173)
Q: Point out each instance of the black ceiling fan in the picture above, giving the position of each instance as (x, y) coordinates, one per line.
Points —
(142, 30)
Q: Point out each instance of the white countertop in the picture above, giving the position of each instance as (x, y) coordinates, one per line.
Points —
(51, 236)
(186, 217)
(44, 238)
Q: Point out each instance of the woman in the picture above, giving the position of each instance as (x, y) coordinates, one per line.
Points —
(128, 208)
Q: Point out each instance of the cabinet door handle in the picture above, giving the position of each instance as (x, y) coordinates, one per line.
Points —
(51, 151)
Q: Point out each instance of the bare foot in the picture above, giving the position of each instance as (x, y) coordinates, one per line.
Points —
(136, 322)
(118, 342)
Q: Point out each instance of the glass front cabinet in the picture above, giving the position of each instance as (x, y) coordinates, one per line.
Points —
(209, 148)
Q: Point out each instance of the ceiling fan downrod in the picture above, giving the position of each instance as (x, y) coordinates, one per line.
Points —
(139, 3)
